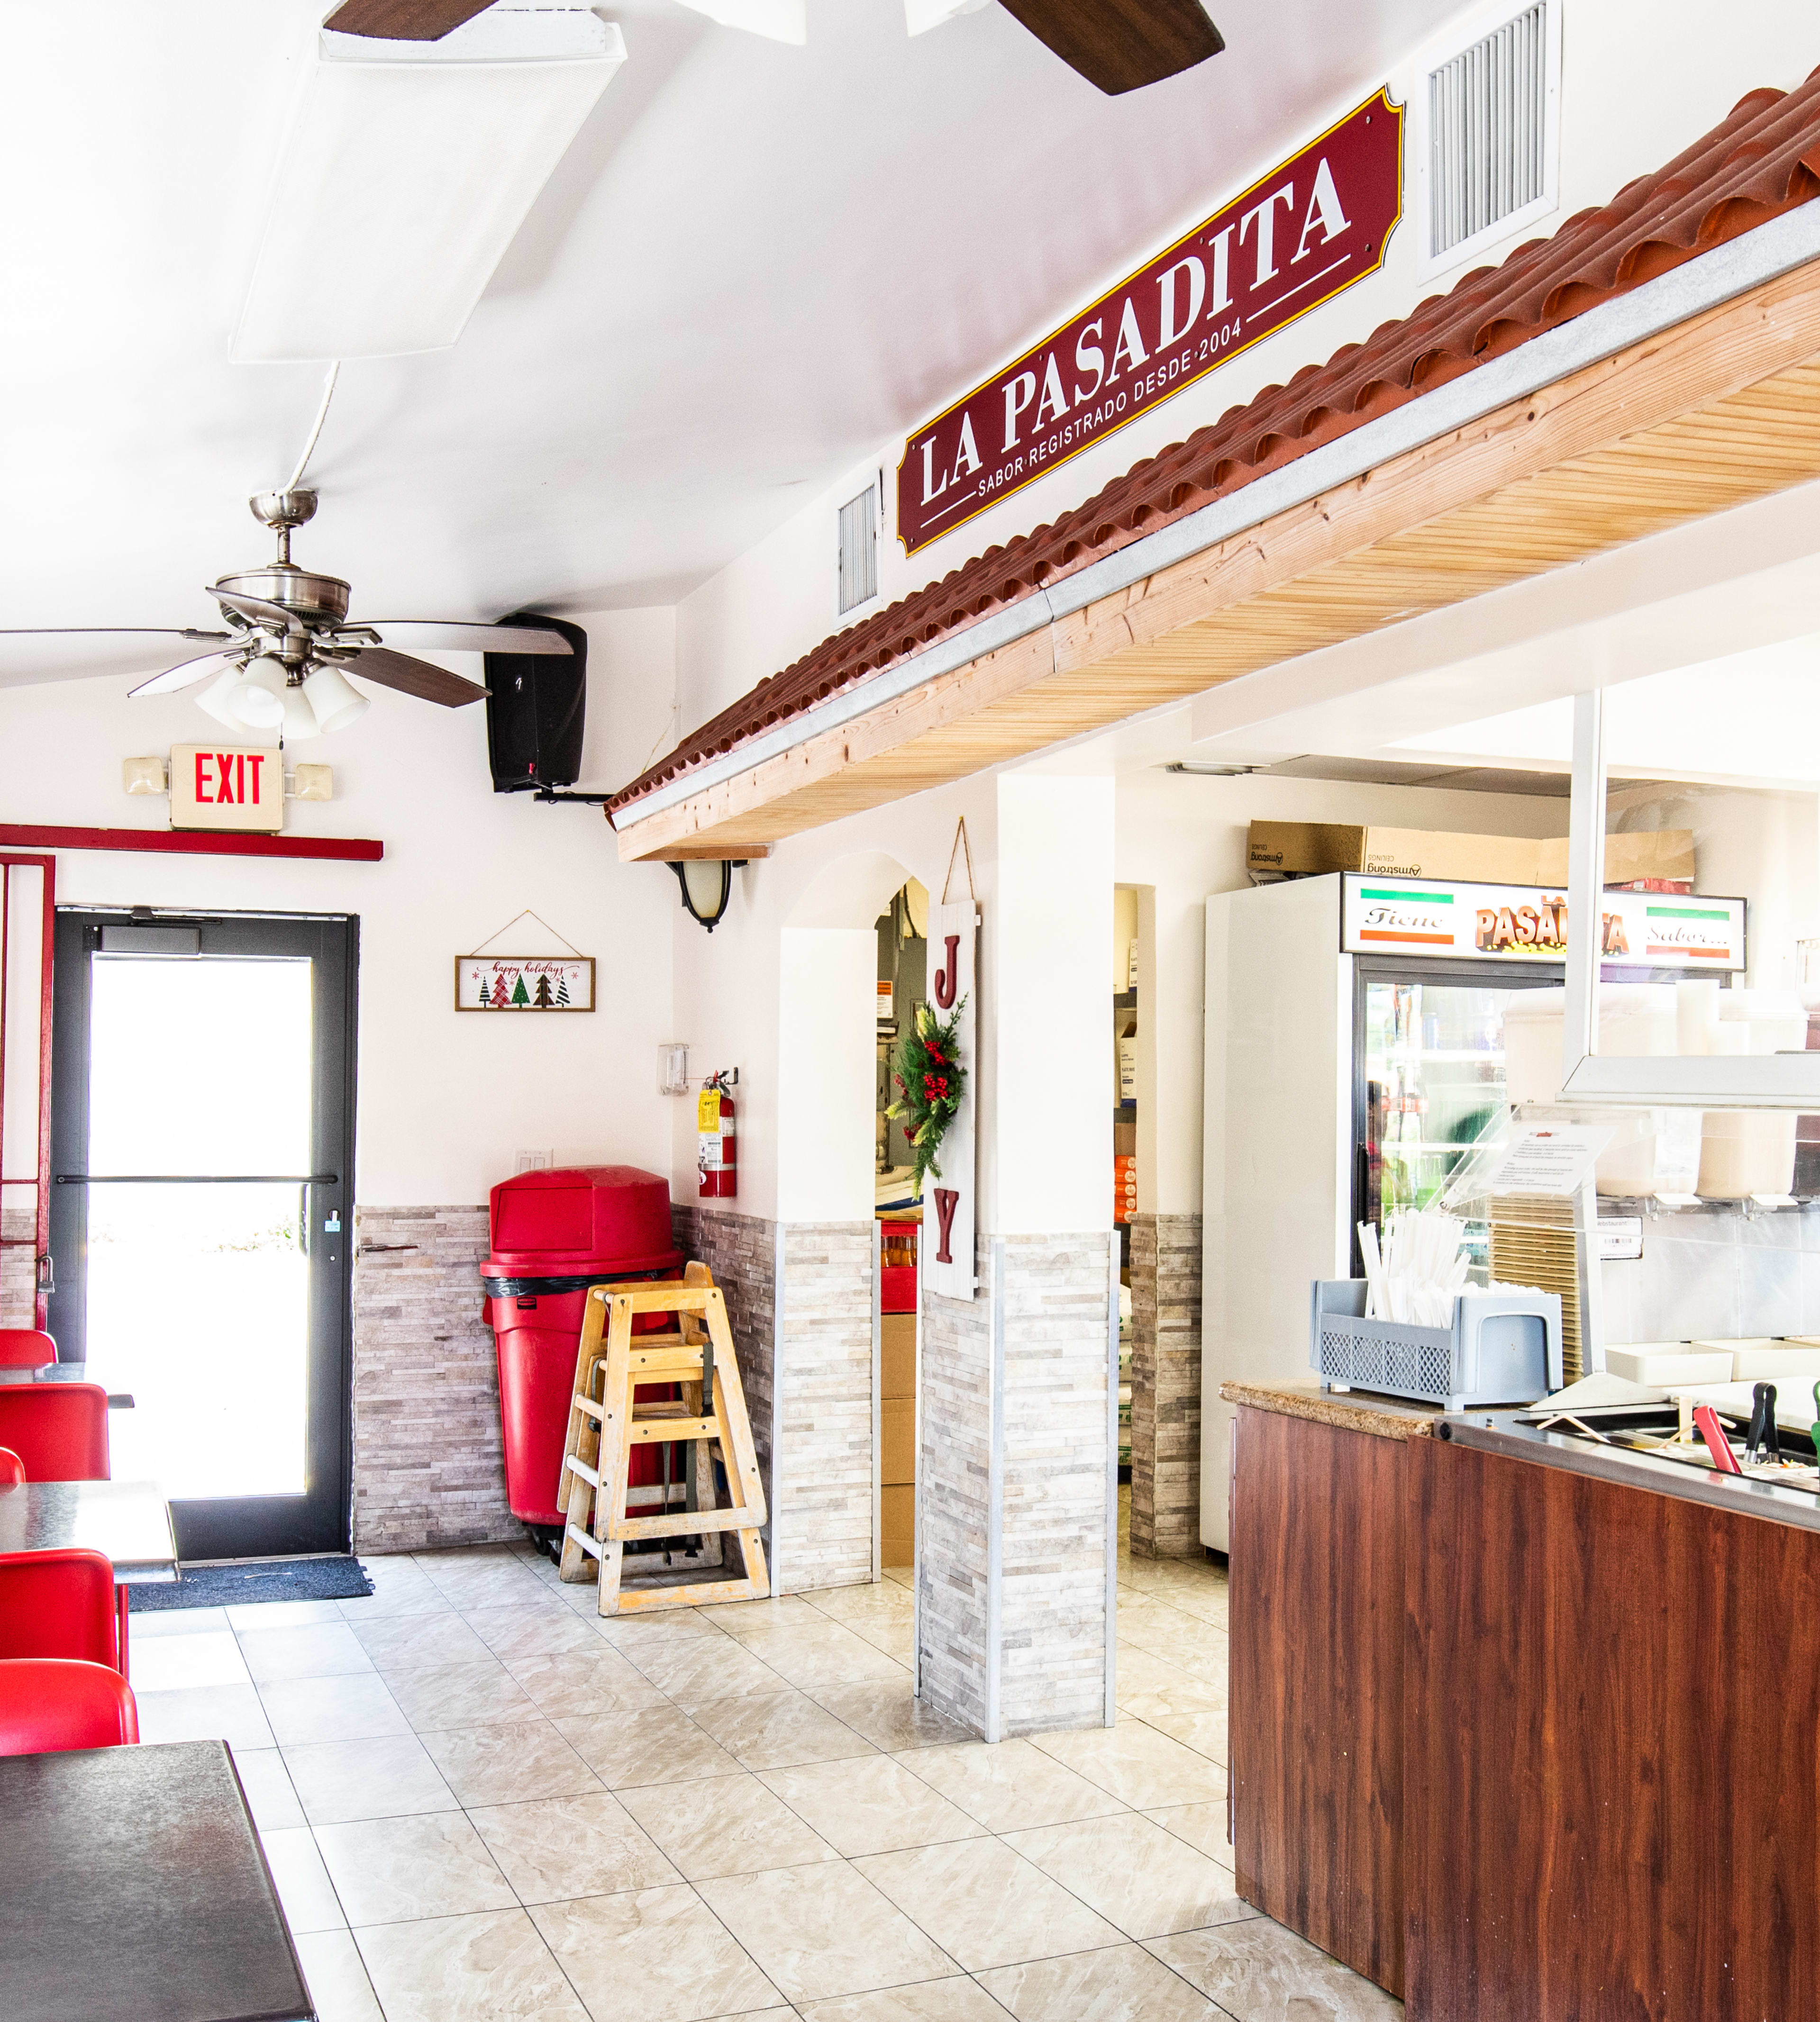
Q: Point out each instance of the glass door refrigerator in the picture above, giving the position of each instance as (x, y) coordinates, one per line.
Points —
(1428, 1077)
(1354, 1053)
(1355, 1047)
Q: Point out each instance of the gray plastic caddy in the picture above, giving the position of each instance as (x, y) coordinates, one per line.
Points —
(1503, 1347)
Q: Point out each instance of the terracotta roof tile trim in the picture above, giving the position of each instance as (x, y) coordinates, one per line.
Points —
(1761, 161)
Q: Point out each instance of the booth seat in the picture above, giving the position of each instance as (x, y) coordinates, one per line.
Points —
(59, 1430)
(48, 1704)
(58, 1604)
(25, 1347)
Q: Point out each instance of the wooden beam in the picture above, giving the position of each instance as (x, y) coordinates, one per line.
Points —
(1720, 410)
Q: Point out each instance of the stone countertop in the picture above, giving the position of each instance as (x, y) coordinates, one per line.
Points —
(1349, 1411)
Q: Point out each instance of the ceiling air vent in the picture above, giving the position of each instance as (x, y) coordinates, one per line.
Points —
(859, 553)
(1485, 135)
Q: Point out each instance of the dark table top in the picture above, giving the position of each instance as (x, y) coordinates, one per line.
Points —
(135, 1890)
(127, 1521)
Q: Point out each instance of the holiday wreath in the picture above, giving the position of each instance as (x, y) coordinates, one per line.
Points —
(933, 1077)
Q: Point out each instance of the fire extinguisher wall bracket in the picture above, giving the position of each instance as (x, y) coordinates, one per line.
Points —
(717, 1146)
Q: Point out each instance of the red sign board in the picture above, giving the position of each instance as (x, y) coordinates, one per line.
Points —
(1294, 239)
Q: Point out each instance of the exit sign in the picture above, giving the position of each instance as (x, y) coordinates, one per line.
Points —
(237, 786)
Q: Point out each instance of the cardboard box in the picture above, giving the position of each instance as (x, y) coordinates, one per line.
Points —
(897, 1442)
(897, 1356)
(1312, 849)
(1665, 855)
(897, 1526)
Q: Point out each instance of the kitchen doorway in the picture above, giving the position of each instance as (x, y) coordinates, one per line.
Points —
(202, 1125)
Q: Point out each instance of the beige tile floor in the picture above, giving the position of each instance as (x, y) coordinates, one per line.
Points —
(481, 1801)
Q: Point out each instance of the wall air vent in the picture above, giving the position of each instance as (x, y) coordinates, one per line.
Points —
(1485, 135)
(858, 551)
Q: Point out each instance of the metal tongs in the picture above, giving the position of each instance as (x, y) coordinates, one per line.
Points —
(1763, 1445)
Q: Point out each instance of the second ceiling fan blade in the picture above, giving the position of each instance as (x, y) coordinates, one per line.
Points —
(428, 635)
(186, 674)
(1122, 44)
(402, 21)
(109, 632)
(415, 678)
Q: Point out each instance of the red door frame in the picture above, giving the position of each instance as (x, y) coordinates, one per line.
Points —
(39, 1181)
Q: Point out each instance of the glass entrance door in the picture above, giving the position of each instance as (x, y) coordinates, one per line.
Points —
(202, 1128)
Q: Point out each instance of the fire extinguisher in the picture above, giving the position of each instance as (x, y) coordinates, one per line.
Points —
(716, 1148)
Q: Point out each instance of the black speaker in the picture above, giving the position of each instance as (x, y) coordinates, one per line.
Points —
(536, 710)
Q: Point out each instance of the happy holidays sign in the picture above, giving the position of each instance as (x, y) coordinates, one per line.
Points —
(524, 983)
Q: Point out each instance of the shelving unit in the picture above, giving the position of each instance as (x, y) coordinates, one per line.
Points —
(1124, 1015)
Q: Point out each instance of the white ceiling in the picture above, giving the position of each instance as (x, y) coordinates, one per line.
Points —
(756, 263)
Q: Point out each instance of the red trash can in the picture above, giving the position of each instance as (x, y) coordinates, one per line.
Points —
(554, 1234)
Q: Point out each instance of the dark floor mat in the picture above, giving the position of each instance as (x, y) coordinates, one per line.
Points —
(270, 1580)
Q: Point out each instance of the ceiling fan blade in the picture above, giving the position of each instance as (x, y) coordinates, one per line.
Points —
(402, 21)
(427, 635)
(109, 632)
(921, 16)
(1122, 44)
(778, 20)
(256, 610)
(186, 674)
(415, 678)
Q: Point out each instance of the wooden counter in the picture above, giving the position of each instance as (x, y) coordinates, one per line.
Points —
(1521, 1743)
(1315, 1665)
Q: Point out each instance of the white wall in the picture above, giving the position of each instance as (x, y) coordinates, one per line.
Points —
(1044, 1005)
(826, 1049)
(445, 1099)
(1761, 847)
(1631, 102)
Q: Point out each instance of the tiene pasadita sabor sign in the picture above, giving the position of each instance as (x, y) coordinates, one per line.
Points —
(1294, 239)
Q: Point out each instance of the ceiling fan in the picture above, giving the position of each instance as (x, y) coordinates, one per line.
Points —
(1118, 45)
(277, 666)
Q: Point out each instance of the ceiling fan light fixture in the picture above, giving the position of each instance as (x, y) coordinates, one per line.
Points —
(299, 718)
(215, 699)
(408, 168)
(257, 703)
(333, 701)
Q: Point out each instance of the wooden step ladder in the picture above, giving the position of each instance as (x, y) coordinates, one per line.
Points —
(606, 1421)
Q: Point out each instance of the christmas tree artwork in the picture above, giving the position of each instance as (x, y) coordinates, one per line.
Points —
(499, 998)
(486, 995)
(561, 991)
(542, 999)
(520, 994)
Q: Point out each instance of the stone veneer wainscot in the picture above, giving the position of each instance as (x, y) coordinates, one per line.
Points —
(1166, 1386)
(428, 1464)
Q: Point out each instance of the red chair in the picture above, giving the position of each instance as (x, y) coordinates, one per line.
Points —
(59, 1430)
(59, 1433)
(58, 1604)
(50, 1703)
(25, 1347)
(12, 1468)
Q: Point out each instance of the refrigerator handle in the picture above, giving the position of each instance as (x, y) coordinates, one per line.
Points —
(1361, 1178)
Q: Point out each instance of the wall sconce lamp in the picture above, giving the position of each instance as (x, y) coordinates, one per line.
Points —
(707, 884)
